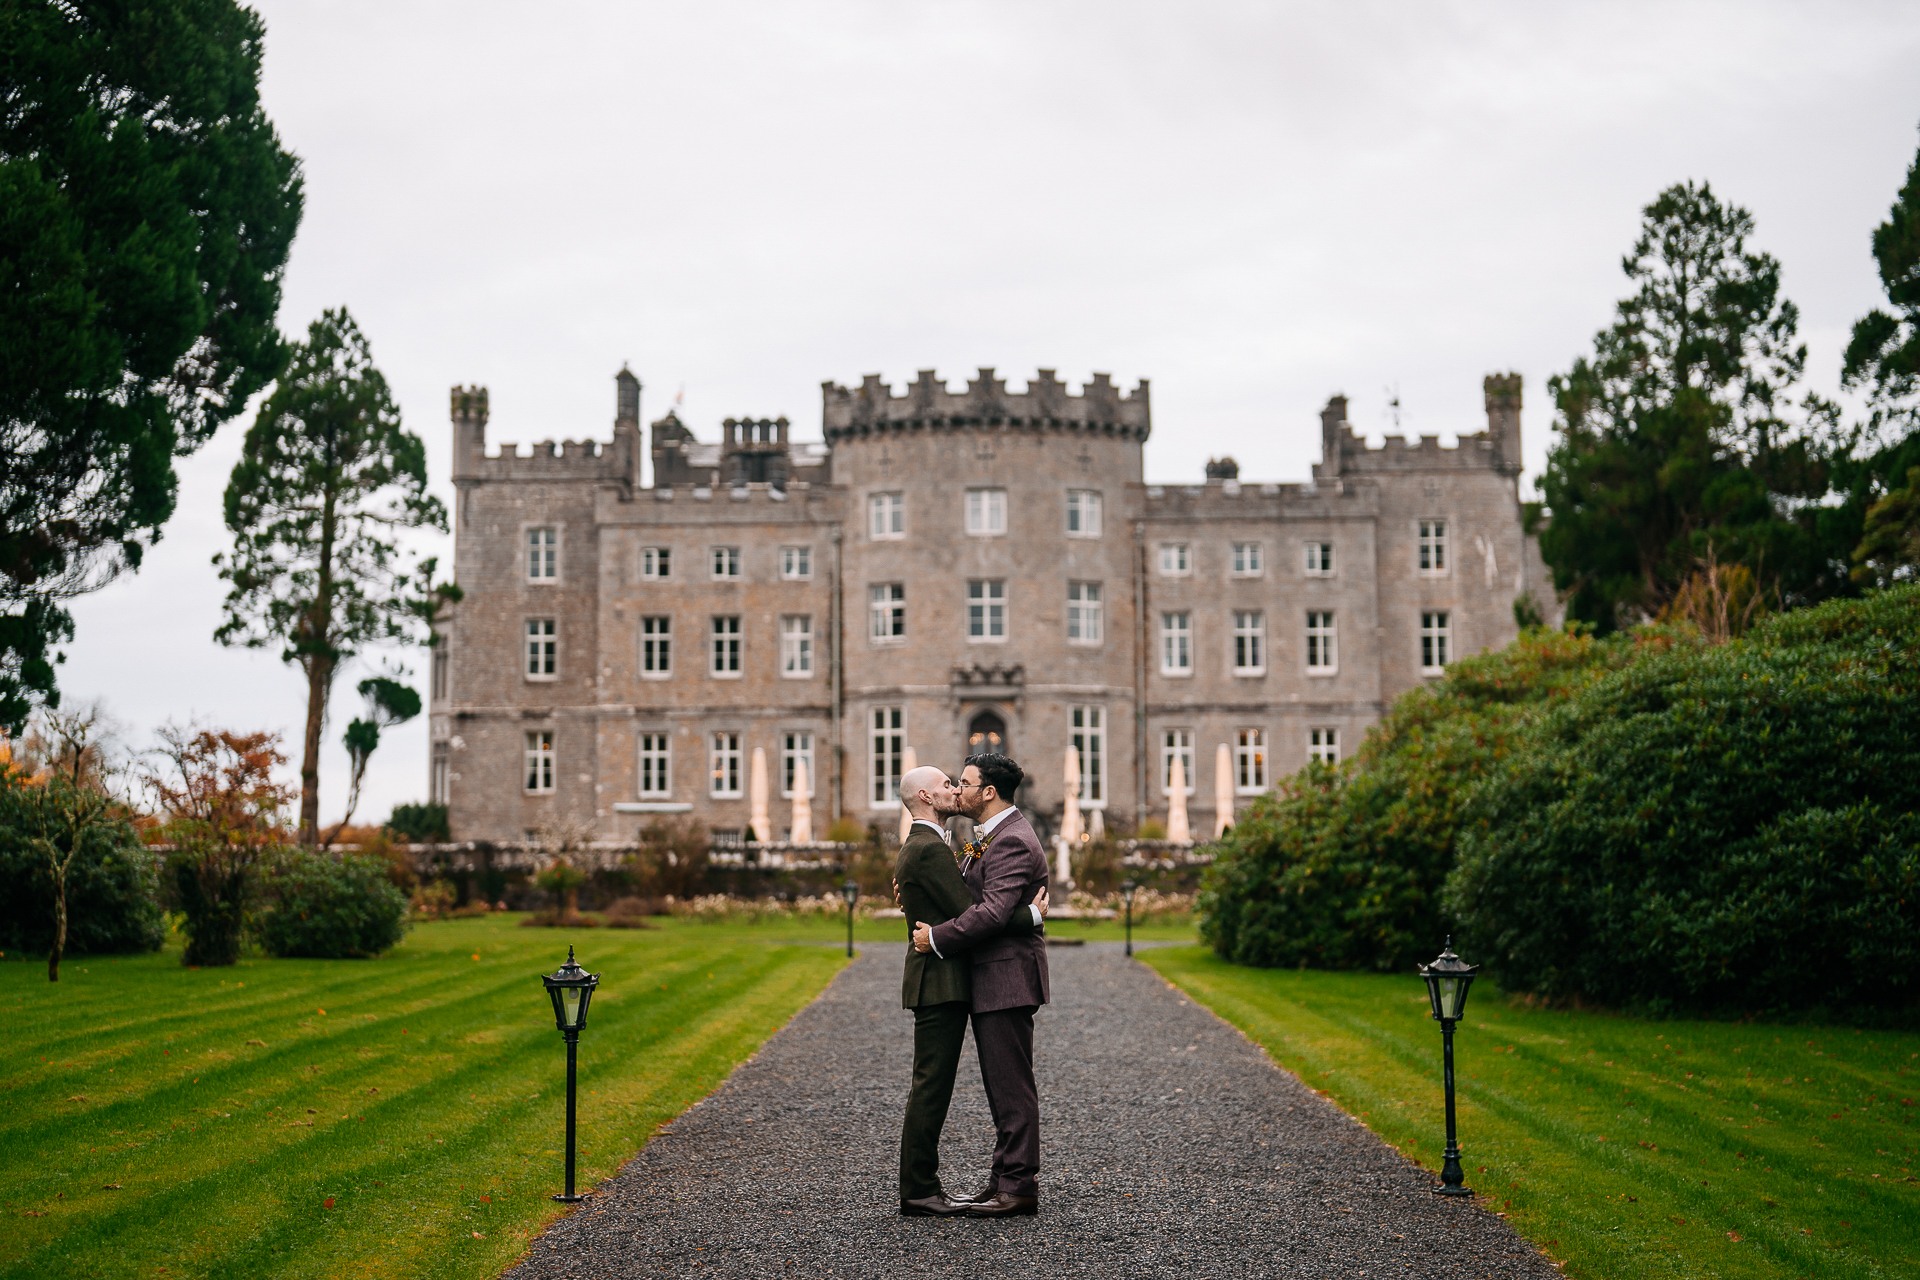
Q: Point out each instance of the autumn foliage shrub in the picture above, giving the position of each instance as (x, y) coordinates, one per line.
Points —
(330, 906)
(112, 883)
(1732, 827)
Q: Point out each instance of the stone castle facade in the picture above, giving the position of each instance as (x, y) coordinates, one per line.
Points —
(948, 572)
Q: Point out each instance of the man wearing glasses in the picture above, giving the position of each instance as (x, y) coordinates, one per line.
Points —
(1003, 866)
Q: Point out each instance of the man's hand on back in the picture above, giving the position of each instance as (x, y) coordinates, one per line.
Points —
(923, 938)
(1040, 901)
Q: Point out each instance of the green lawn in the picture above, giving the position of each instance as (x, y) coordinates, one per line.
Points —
(401, 1116)
(1624, 1147)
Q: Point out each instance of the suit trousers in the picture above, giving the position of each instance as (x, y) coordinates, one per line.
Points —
(1004, 1041)
(939, 1031)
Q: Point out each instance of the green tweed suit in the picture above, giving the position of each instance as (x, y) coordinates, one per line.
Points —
(940, 993)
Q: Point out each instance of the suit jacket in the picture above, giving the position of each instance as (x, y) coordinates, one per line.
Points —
(1009, 970)
(933, 892)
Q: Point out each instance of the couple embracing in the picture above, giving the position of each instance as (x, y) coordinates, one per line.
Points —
(978, 951)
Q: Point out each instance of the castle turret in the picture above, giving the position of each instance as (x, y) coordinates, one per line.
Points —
(469, 431)
(1333, 435)
(1503, 419)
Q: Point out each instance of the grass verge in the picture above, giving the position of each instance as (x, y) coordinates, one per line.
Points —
(394, 1117)
(1623, 1147)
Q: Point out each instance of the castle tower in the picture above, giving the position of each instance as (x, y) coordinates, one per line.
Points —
(1503, 419)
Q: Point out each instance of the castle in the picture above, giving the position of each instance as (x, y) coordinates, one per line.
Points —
(946, 573)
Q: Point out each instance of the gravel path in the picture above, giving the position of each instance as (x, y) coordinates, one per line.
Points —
(1171, 1147)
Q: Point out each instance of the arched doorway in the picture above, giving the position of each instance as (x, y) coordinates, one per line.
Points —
(987, 735)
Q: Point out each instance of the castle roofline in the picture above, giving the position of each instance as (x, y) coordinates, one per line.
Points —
(927, 404)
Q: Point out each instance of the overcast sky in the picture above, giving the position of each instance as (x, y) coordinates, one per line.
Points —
(1252, 205)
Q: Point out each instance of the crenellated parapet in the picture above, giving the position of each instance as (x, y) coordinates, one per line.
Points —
(594, 461)
(926, 405)
(1345, 452)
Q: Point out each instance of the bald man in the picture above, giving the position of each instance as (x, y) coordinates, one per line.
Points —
(939, 991)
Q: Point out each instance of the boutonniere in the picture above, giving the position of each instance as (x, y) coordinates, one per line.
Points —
(972, 849)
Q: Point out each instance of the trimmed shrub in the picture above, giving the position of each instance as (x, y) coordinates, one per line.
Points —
(331, 907)
(112, 887)
(419, 823)
(1342, 868)
(1716, 828)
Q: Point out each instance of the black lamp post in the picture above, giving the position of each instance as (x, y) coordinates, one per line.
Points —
(1127, 888)
(851, 892)
(571, 989)
(1447, 981)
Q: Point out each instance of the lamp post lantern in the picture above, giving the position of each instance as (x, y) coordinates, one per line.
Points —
(571, 989)
(1127, 888)
(1448, 978)
(851, 892)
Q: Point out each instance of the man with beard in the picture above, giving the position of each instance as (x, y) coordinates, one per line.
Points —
(930, 889)
(1003, 865)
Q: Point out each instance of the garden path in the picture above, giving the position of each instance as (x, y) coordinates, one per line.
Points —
(1171, 1147)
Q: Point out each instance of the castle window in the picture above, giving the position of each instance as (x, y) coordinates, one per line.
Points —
(540, 761)
(440, 669)
(1246, 560)
(888, 741)
(1249, 642)
(726, 562)
(796, 646)
(726, 646)
(724, 765)
(440, 785)
(987, 512)
(543, 555)
(543, 647)
(1083, 513)
(1176, 644)
(887, 515)
(656, 562)
(1083, 613)
(656, 764)
(796, 746)
(656, 648)
(1433, 546)
(1433, 642)
(1089, 743)
(1322, 656)
(1176, 742)
(887, 603)
(796, 563)
(1174, 562)
(1319, 559)
(987, 609)
(1323, 745)
(1250, 762)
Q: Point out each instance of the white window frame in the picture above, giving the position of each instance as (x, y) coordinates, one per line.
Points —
(1431, 559)
(725, 563)
(724, 656)
(656, 646)
(796, 563)
(886, 516)
(1087, 733)
(1249, 762)
(1084, 513)
(1320, 561)
(1249, 642)
(986, 513)
(796, 646)
(1176, 560)
(542, 543)
(542, 650)
(1172, 742)
(1436, 640)
(538, 759)
(1176, 643)
(1323, 743)
(797, 744)
(1085, 608)
(887, 613)
(653, 758)
(1322, 646)
(656, 563)
(723, 764)
(1246, 560)
(886, 744)
(987, 611)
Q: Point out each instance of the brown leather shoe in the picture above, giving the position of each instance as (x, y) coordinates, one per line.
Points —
(937, 1206)
(981, 1196)
(1004, 1204)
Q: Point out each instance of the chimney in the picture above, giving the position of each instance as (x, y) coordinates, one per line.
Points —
(1222, 469)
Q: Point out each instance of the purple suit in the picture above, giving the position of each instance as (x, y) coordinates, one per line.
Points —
(1009, 983)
